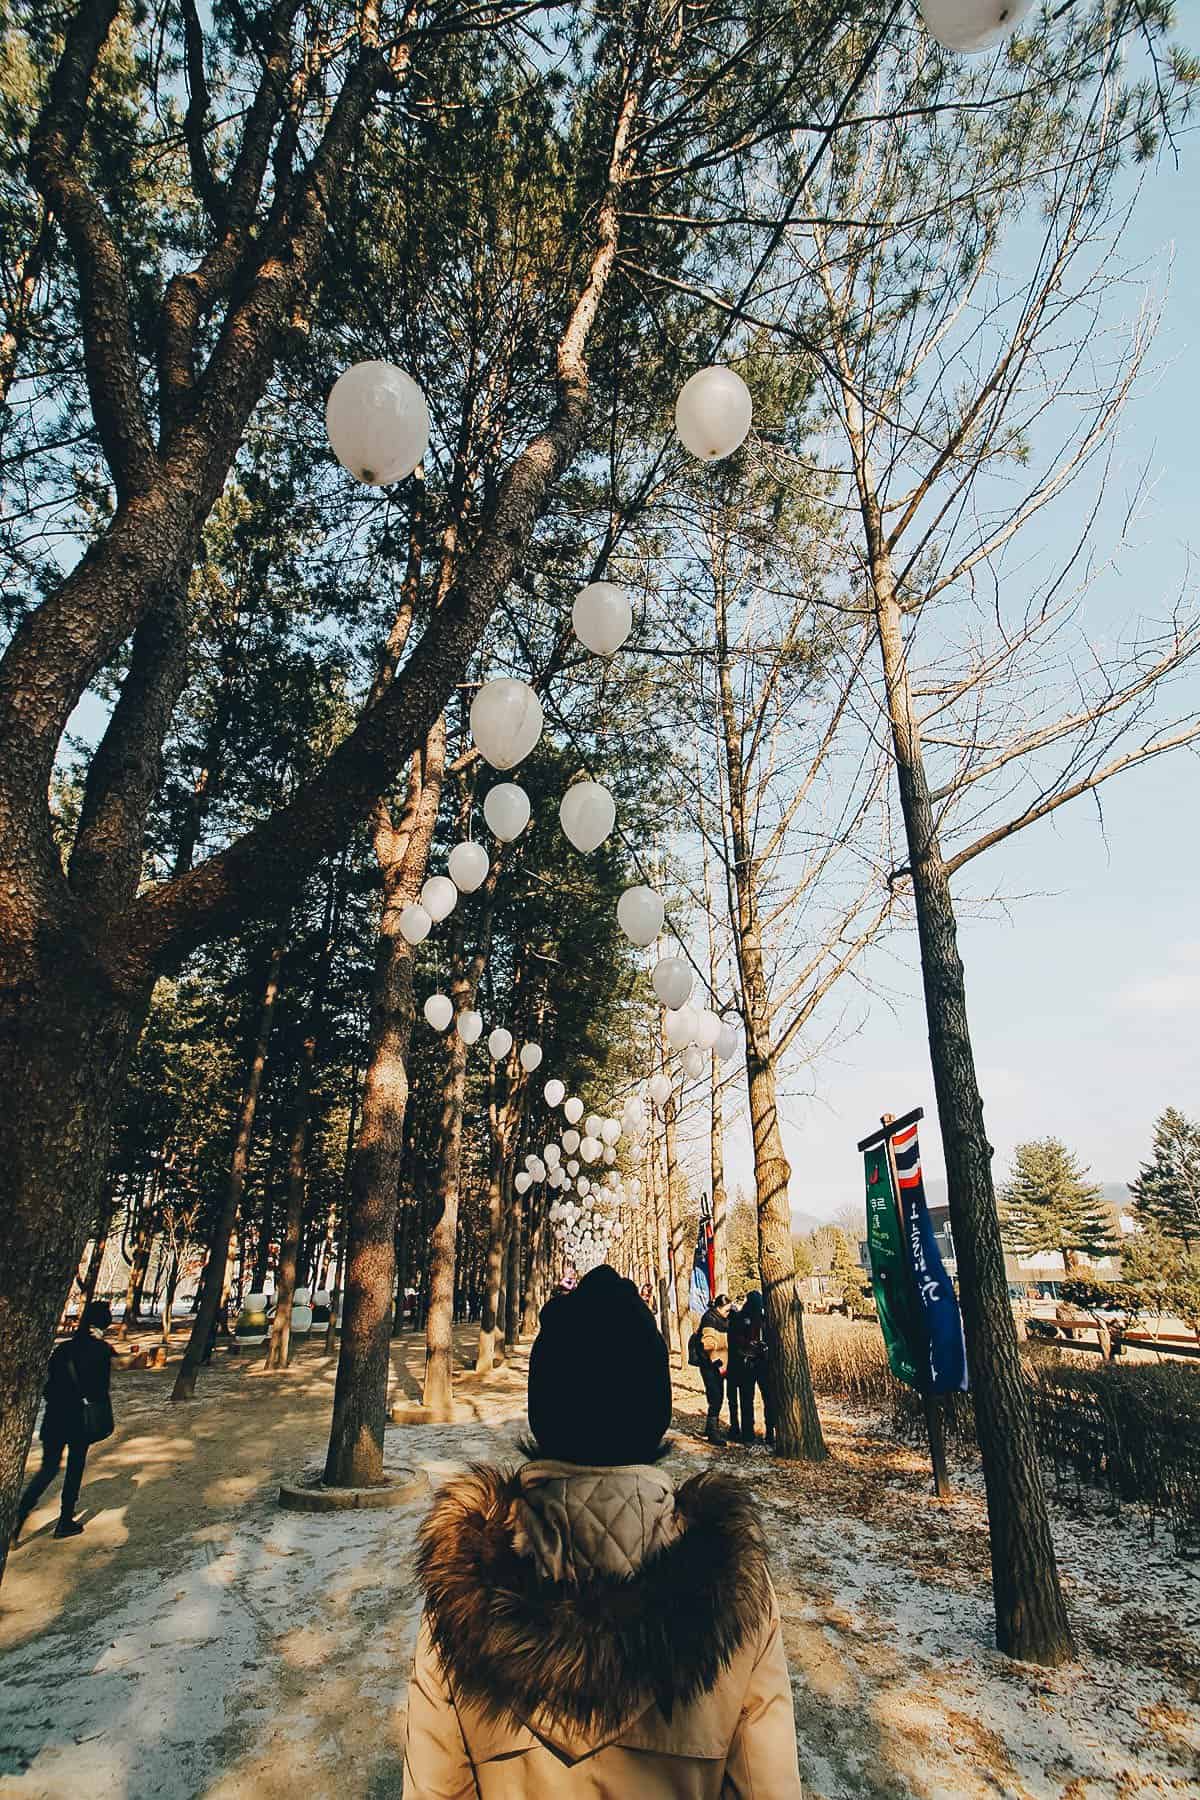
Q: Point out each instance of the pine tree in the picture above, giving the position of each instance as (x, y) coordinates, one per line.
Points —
(1167, 1191)
(1048, 1204)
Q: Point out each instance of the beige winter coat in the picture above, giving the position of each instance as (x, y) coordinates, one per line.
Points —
(593, 1632)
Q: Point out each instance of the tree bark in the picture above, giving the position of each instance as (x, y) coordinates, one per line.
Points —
(1031, 1617)
(355, 1455)
(143, 1242)
(438, 1391)
(279, 1338)
(797, 1423)
(679, 1254)
(485, 1356)
(212, 1283)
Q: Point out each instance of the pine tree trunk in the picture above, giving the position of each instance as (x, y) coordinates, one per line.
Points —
(485, 1356)
(438, 1392)
(143, 1241)
(212, 1285)
(533, 1303)
(169, 1298)
(279, 1339)
(663, 1242)
(266, 1230)
(512, 1285)
(1031, 1618)
(95, 1261)
(679, 1254)
(355, 1455)
(716, 1152)
(797, 1424)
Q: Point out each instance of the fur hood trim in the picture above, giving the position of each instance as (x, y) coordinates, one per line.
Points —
(595, 1654)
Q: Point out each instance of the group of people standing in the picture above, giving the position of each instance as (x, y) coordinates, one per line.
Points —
(729, 1346)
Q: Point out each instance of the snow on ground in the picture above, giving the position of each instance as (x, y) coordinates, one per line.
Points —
(198, 1641)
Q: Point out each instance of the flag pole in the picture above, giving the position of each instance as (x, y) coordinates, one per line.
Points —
(935, 1423)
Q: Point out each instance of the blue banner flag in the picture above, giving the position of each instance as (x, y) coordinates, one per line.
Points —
(701, 1293)
(947, 1366)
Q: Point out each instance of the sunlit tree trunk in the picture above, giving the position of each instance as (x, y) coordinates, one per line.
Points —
(1031, 1616)
(797, 1425)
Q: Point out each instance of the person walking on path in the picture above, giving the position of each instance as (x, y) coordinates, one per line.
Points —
(748, 1369)
(589, 1629)
(714, 1357)
(78, 1414)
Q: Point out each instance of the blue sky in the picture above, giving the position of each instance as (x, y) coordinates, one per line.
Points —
(1084, 999)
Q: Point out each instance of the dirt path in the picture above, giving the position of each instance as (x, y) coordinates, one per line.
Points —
(197, 1641)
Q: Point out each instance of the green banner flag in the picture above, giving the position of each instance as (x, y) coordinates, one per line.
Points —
(904, 1334)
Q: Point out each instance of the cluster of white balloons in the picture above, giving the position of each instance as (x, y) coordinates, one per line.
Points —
(378, 425)
(439, 1010)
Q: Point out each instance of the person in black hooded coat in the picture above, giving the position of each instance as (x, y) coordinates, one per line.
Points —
(79, 1371)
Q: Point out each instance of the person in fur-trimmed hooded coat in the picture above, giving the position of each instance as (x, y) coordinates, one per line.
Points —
(589, 1629)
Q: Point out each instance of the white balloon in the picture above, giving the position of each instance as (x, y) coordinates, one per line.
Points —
(439, 896)
(672, 980)
(573, 1111)
(633, 1112)
(572, 1168)
(972, 25)
(552, 1154)
(587, 813)
(680, 1027)
(439, 1010)
(602, 617)
(660, 1089)
(506, 809)
(610, 1155)
(536, 1167)
(635, 1186)
(590, 1148)
(522, 1181)
(415, 924)
(610, 1130)
(557, 1177)
(570, 1141)
(553, 1092)
(377, 421)
(499, 1043)
(531, 1056)
(708, 1028)
(694, 1060)
(592, 1124)
(727, 1041)
(713, 412)
(469, 1024)
(640, 914)
(530, 1160)
(584, 1185)
(468, 865)
(506, 721)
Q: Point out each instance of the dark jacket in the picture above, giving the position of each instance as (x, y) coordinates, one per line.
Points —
(79, 1369)
(596, 1631)
(747, 1337)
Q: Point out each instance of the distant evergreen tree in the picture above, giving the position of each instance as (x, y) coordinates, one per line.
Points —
(1048, 1204)
(1167, 1191)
